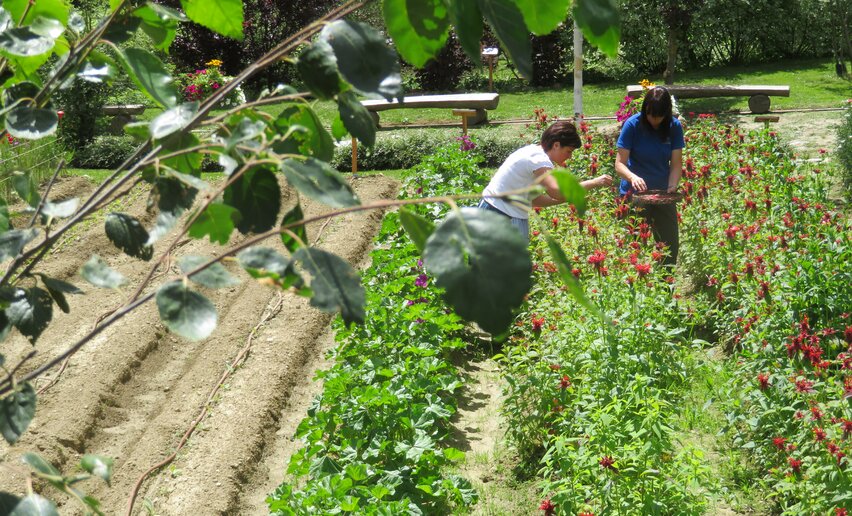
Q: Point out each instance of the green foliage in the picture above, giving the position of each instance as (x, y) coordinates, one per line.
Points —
(444, 72)
(82, 120)
(844, 148)
(105, 151)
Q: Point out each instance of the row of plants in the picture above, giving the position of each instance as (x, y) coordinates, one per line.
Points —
(774, 263)
(376, 440)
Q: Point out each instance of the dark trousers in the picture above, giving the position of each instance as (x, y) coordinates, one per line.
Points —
(663, 221)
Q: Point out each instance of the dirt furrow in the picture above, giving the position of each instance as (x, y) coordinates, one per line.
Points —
(133, 391)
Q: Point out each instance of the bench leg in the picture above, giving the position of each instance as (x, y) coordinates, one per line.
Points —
(480, 117)
(116, 125)
(759, 103)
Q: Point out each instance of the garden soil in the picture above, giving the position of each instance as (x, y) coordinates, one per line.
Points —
(133, 391)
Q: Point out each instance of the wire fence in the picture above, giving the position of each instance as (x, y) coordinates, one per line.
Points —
(35, 157)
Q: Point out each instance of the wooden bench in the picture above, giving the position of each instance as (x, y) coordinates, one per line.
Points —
(122, 115)
(461, 102)
(758, 101)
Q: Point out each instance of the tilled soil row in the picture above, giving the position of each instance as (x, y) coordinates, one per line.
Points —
(133, 391)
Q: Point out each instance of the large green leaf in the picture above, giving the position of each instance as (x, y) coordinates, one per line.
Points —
(294, 215)
(4, 215)
(57, 290)
(40, 465)
(187, 162)
(30, 311)
(222, 16)
(257, 196)
(35, 505)
(483, 264)
(173, 120)
(263, 262)
(187, 313)
(335, 284)
(160, 23)
(306, 133)
(122, 29)
(12, 242)
(504, 17)
(26, 41)
(8, 502)
(98, 465)
(149, 73)
(16, 411)
(417, 227)
(31, 123)
(318, 69)
(55, 9)
(98, 273)
(356, 119)
(216, 221)
(600, 22)
(319, 181)
(172, 198)
(26, 188)
(467, 20)
(543, 16)
(128, 235)
(246, 130)
(564, 268)
(214, 276)
(418, 27)
(571, 189)
(363, 58)
(98, 67)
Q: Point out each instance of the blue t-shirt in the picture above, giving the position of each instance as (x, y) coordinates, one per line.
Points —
(650, 156)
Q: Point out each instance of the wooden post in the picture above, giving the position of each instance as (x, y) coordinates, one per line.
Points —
(465, 114)
(354, 155)
(578, 74)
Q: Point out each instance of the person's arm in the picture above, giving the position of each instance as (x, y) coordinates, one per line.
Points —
(636, 182)
(554, 195)
(675, 169)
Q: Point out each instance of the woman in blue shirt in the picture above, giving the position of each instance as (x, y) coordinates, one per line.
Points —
(650, 151)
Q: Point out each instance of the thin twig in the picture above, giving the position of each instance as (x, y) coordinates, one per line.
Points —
(43, 198)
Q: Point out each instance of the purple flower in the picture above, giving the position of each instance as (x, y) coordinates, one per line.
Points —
(420, 264)
(419, 321)
(422, 281)
(416, 301)
(466, 143)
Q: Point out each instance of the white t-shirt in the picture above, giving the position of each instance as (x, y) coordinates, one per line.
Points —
(514, 174)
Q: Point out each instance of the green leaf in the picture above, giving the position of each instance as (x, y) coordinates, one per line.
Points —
(16, 412)
(419, 28)
(26, 188)
(187, 313)
(600, 22)
(30, 311)
(122, 29)
(467, 20)
(293, 216)
(335, 284)
(4, 215)
(564, 268)
(324, 466)
(246, 130)
(40, 465)
(222, 16)
(98, 465)
(503, 16)
(186, 163)
(126, 233)
(216, 221)
(13, 241)
(160, 23)
(173, 120)
(98, 67)
(31, 123)
(172, 198)
(483, 264)
(35, 505)
(56, 9)
(571, 189)
(61, 209)
(57, 289)
(544, 16)
(149, 73)
(363, 58)
(320, 182)
(308, 137)
(32, 40)
(8, 502)
(261, 262)
(417, 227)
(214, 276)
(317, 67)
(453, 454)
(422, 444)
(338, 130)
(98, 273)
(356, 118)
(257, 196)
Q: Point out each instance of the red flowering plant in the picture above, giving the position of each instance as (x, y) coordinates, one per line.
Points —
(200, 84)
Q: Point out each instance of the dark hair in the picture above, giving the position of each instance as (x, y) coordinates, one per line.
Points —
(658, 102)
(563, 132)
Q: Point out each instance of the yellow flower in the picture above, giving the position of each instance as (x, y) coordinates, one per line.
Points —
(214, 62)
(646, 84)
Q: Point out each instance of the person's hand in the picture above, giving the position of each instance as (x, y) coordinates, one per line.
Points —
(638, 184)
(672, 189)
(603, 180)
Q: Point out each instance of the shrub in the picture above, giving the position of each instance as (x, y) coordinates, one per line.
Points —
(83, 118)
(844, 148)
(105, 152)
(445, 71)
(551, 57)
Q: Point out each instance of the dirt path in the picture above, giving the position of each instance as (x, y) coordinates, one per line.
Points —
(132, 392)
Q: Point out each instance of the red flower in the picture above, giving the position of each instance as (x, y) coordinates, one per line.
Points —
(847, 387)
(839, 511)
(795, 464)
(575, 272)
(819, 434)
(565, 382)
(537, 323)
(763, 381)
(548, 507)
(847, 334)
(607, 462)
(642, 269)
(847, 427)
(779, 442)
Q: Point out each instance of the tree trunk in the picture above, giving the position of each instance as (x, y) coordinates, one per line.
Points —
(671, 58)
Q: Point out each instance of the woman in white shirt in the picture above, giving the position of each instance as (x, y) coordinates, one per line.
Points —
(532, 164)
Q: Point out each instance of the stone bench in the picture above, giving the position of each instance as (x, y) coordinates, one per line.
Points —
(461, 102)
(759, 96)
(122, 115)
